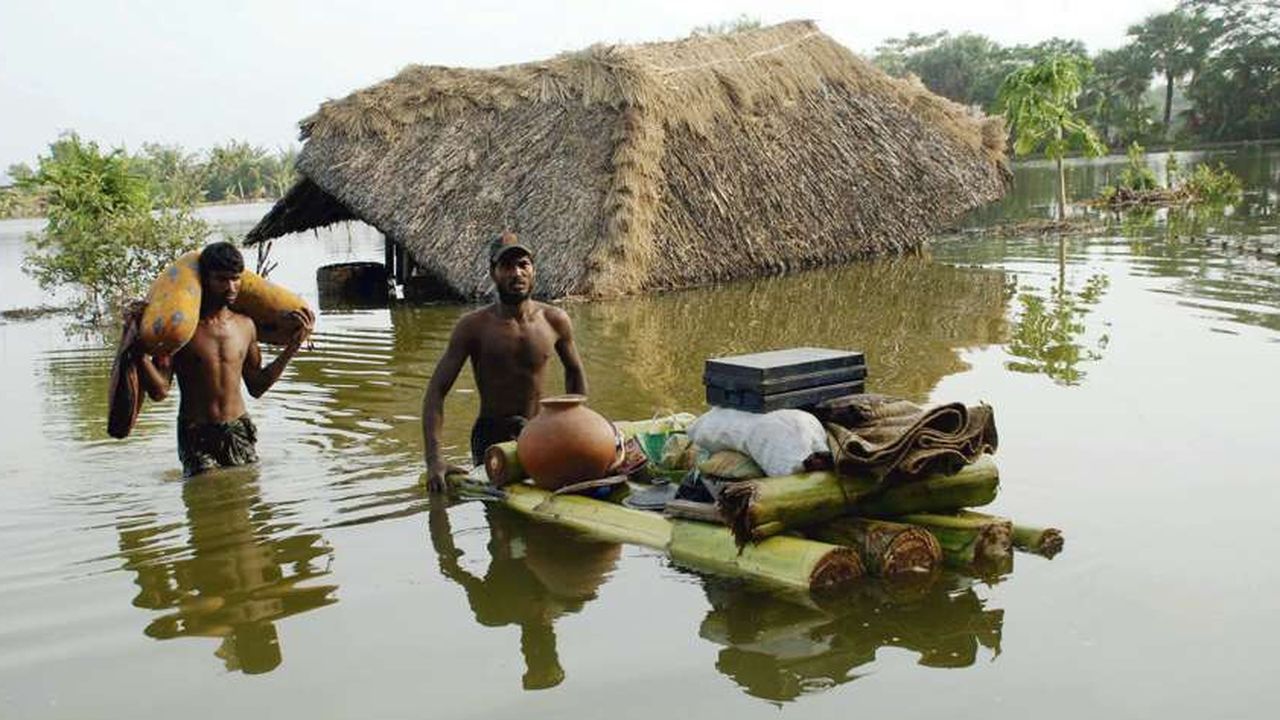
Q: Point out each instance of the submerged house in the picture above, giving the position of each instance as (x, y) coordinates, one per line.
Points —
(643, 167)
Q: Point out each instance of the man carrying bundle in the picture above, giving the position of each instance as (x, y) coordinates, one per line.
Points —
(214, 429)
(508, 344)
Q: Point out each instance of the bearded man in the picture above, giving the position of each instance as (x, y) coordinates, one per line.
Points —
(508, 343)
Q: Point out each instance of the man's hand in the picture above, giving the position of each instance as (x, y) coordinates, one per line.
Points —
(435, 472)
(306, 322)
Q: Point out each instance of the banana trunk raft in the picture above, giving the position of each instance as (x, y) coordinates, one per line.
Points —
(814, 532)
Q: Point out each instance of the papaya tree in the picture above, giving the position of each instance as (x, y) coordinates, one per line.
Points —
(1039, 102)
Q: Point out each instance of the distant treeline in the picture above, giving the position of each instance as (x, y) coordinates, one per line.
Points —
(1215, 66)
(231, 172)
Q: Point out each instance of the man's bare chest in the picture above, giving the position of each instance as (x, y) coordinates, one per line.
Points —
(527, 347)
(214, 346)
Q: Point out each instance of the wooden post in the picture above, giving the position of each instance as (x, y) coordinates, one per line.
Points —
(400, 255)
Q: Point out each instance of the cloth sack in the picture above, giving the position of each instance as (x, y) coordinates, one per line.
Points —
(779, 442)
(730, 465)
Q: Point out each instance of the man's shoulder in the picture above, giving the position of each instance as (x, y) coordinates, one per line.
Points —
(473, 322)
(475, 317)
(556, 317)
(552, 312)
(244, 324)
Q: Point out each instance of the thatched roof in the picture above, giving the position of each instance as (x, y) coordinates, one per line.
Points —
(647, 166)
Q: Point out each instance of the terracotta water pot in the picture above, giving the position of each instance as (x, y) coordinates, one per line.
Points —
(567, 442)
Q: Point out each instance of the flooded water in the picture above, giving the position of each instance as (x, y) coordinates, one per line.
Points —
(1133, 376)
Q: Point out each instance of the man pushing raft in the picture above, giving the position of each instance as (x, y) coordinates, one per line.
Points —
(214, 428)
(508, 343)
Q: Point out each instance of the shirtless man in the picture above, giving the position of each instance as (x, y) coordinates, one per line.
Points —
(214, 430)
(508, 344)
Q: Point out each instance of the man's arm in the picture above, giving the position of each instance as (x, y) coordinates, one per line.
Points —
(259, 379)
(442, 379)
(156, 375)
(575, 378)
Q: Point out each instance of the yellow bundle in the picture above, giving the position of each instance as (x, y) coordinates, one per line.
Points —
(173, 307)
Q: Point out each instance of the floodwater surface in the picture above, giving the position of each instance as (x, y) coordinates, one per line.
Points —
(1133, 375)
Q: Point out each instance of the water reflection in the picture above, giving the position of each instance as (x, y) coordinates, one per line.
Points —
(536, 574)
(232, 580)
(1048, 332)
(361, 385)
(1231, 271)
(1034, 184)
(779, 649)
(909, 315)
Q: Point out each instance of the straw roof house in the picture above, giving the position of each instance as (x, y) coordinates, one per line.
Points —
(645, 167)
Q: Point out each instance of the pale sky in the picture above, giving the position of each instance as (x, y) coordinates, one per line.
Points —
(197, 73)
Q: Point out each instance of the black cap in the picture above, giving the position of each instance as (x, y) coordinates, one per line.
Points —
(505, 243)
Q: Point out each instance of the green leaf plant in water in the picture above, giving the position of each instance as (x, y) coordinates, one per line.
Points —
(102, 237)
(1039, 102)
(1048, 333)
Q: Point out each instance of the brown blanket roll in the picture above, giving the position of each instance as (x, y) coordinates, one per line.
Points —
(884, 435)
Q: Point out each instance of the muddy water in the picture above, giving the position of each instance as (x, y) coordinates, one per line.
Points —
(1133, 375)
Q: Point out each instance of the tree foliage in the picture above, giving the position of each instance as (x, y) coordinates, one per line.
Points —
(1177, 43)
(966, 68)
(1039, 103)
(1114, 98)
(1235, 92)
(727, 27)
(232, 172)
(102, 237)
(1220, 56)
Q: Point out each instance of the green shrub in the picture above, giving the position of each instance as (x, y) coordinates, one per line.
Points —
(1214, 184)
(1136, 175)
(17, 203)
(102, 237)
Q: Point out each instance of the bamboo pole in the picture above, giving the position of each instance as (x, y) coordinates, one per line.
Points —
(502, 465)
(603, 520)
(786, 562)
(974, 485)
(1041, 541)
(757, 509)
(783, 561)
(887, 549)
(690, 510)
(967, 539)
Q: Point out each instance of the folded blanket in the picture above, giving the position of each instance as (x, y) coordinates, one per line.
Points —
(880, 436)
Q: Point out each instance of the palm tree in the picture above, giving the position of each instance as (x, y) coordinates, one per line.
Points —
(1039, 101)
(1177, 43)
(1115, 95)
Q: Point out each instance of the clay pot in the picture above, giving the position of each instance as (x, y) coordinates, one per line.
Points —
(567, 442)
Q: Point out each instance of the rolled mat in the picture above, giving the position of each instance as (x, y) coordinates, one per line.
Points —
(879, 435)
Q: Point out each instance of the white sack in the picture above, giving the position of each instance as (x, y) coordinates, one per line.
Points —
(779, 442)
